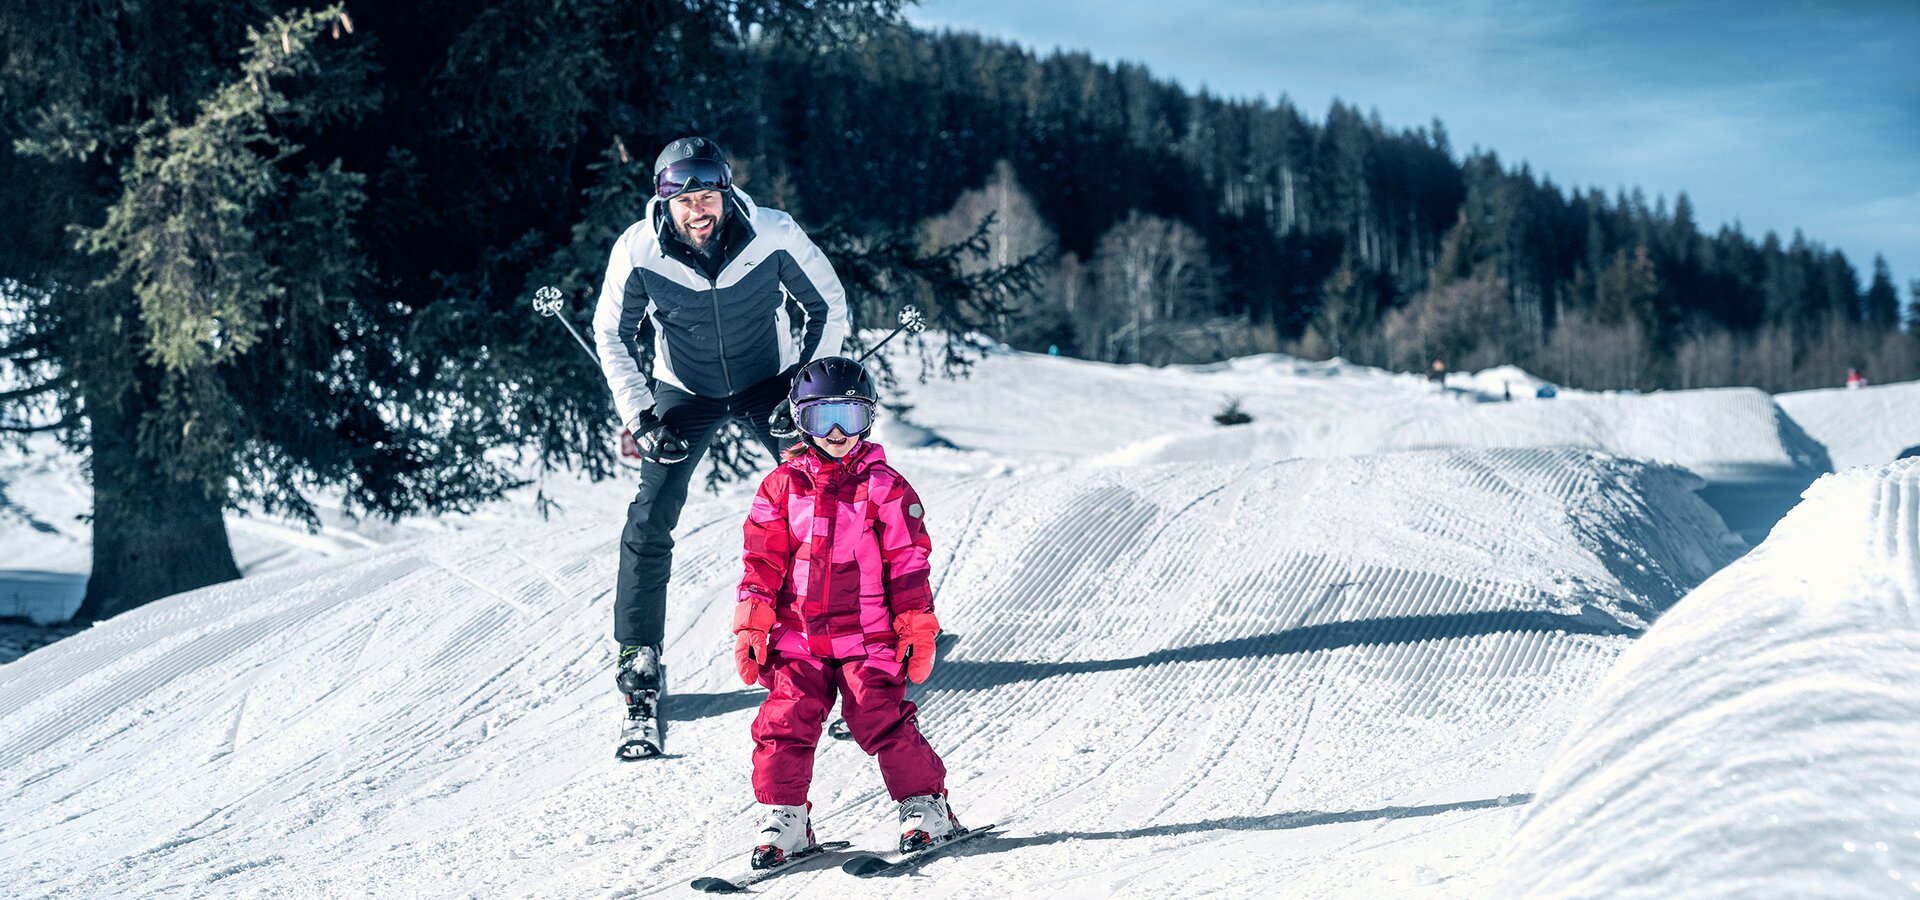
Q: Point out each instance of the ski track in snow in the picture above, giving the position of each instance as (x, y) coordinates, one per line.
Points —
(1127, 627)
(1329, 653)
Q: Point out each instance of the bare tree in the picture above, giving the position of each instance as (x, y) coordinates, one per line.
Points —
(1155, 275)
(1590, 355)
(1015, 233)
(1466, 322)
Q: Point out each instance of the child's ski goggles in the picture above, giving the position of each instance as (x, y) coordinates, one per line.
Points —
(818, 417)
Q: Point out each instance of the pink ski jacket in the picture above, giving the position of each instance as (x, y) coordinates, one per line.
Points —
(837, 548)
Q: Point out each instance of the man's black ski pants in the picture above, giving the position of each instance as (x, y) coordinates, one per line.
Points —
(646, 545)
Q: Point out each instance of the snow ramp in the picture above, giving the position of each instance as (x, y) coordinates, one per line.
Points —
(1342, 675)
(1753, 458)
(1864, 427)
(1715, 433)
(1760, 739)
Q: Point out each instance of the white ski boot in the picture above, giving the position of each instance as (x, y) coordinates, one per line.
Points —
(926, 820)
(786, 834)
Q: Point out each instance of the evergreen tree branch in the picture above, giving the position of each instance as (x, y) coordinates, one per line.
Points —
(34, 390)
(64, 423)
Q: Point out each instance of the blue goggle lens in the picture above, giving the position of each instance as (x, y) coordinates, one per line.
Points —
(822, 416)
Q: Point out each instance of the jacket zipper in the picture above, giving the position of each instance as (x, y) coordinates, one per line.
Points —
(720, 333)
(833, 519)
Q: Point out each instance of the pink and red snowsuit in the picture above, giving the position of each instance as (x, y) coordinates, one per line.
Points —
(838, 549)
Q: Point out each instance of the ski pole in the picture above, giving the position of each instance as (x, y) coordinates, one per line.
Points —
(910, 320)
(546, 301)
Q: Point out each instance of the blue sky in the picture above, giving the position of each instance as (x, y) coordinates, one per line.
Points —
(1778, 115)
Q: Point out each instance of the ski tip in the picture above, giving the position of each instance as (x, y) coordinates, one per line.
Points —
(717, 886)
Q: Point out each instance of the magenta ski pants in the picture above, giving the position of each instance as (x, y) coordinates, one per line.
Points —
(801, 691)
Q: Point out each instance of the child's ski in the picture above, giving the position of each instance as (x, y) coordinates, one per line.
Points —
(867, 865)
(738, 881)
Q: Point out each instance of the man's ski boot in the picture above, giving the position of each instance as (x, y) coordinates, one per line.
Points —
(786, 834)
(643, 682)
(926, 820)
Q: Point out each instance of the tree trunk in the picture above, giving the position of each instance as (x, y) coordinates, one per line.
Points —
(152, 536)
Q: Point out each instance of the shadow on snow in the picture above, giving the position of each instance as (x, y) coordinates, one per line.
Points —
(975, 675)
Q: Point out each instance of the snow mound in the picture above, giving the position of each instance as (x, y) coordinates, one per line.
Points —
(1760, 739)
(1713, 432)
(1864, 427)
(1503, 382)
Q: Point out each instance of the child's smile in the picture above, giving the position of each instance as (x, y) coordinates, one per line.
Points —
(837, 443)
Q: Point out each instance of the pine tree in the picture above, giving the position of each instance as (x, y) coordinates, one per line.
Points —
(1628, 290)
(311, 240)
(1913, 308)
(226, 351)
(1881, 303)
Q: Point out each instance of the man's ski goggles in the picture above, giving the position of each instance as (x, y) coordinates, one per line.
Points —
(692, 175)
(819, 417)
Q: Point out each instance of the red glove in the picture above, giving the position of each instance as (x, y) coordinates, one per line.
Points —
(751, 620)
(917, 630)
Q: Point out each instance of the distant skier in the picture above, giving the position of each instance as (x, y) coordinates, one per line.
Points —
(693, 332)
(1855, 380)
(1437, 372)
(835, 600)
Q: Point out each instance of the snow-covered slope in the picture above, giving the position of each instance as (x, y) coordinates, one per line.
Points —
(44, 546)
(1761, 739)
(1863, 427)
(1328, 654)
(1181, 664)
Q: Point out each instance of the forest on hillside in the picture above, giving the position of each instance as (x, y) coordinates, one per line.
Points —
(1173, 226)
(260, 249)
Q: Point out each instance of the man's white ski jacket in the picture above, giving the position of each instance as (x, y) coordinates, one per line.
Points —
(712, 337)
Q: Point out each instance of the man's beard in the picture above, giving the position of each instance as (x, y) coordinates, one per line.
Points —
(707, 247)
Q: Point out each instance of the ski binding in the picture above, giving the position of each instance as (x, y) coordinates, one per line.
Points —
(867, 865)
(739, 881)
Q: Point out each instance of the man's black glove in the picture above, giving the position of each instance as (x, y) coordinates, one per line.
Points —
(781, 423)
(658, 442)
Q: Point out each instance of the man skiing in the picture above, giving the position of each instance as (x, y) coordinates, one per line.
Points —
(693, 331)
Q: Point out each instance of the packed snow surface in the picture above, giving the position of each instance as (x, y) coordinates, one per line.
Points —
(1328, 653)
(1866, 426)
(1761, 739)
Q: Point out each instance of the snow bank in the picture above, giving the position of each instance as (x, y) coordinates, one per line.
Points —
(1761, 738)
(1862, 427)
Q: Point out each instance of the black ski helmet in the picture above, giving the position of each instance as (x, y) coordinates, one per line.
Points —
(688, 148)
(832, 377)
(690, 163)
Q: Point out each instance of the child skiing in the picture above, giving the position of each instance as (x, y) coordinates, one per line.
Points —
(835, 601)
